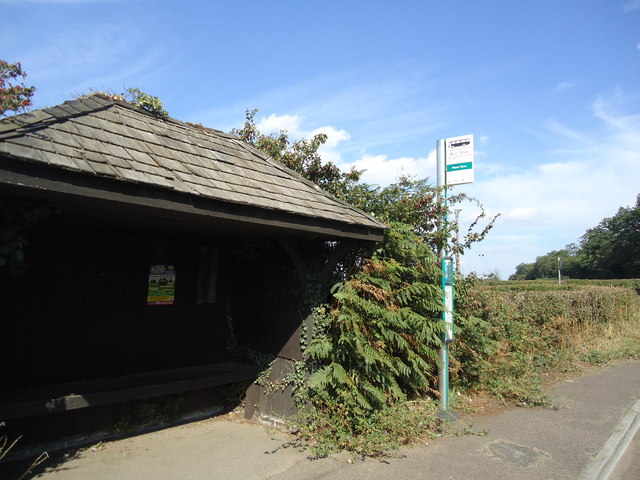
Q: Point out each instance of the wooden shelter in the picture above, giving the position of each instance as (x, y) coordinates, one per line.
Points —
(152, 245)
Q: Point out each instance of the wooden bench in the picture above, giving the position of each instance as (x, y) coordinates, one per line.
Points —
(89, 393)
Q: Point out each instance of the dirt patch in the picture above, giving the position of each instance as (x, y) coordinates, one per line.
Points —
(479, 404)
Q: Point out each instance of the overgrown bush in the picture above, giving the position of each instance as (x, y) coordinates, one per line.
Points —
(377, 344)
(381, 341)
(373, 434)
(510, 336)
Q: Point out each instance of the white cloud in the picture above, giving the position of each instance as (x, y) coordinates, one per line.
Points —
(379, 169)
(329, 151)
(382, 170)
(521, 213)
(484, 139)
(275, 123)
(292, 124)
(565, 86)
(562, 170)
(631, 5)
(334, 135)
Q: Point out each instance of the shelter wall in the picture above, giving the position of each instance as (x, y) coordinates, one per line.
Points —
(81, 311)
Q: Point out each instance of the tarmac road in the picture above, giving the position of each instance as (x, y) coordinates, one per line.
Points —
(520, 443)
(628, 468)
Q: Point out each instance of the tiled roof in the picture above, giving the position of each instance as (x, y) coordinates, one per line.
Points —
(102, 136)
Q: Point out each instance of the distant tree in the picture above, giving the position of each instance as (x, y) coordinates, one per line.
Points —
(612, 249)
(522, 271)
(14, 96)
(546, 266)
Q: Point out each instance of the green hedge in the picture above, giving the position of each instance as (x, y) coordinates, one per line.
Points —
(567, 284)
(510, 333)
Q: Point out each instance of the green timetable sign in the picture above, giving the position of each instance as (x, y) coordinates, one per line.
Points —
(459, 166)
(459, 160)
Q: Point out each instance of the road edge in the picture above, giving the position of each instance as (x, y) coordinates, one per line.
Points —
(603, 464)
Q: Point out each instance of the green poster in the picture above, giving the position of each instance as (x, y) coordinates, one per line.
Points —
(162, 285)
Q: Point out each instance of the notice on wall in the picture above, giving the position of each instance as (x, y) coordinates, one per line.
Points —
(162, 285)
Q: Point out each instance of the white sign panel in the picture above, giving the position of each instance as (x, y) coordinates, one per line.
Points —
(448, 313)
(459, 160)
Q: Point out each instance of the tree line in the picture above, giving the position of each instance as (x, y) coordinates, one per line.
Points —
(609, 250)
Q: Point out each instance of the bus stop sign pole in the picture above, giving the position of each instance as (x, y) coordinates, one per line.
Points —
(443, 367)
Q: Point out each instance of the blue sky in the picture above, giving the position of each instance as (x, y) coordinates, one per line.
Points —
(550, 89)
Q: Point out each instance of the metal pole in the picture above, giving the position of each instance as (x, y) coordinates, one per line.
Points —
(458, 243)
(559, 271)
(443, 369)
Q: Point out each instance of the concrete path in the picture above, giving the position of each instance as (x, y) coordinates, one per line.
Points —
(520, 443)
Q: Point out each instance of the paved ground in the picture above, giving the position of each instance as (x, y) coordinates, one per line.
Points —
(628, 468)
(520, 443)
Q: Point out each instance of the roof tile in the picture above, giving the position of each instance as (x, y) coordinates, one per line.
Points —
(56, 112)
(97, 135)
(171, 165)
(18, 150)
(132, 175)
(83, 165)
(117, 162)
(103, 169)
(118, 151)
(61, 161)
(141, 157)
(93, 102)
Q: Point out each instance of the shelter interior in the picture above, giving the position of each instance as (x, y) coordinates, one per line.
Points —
(80, 319)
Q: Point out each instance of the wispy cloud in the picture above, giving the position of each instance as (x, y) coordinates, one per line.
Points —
(570, 190)
(565, 86)
(572, 135)
(76, 58)
(521, 213)
(376, 107)
(382, 170)
(80, 51)
(631, 5)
